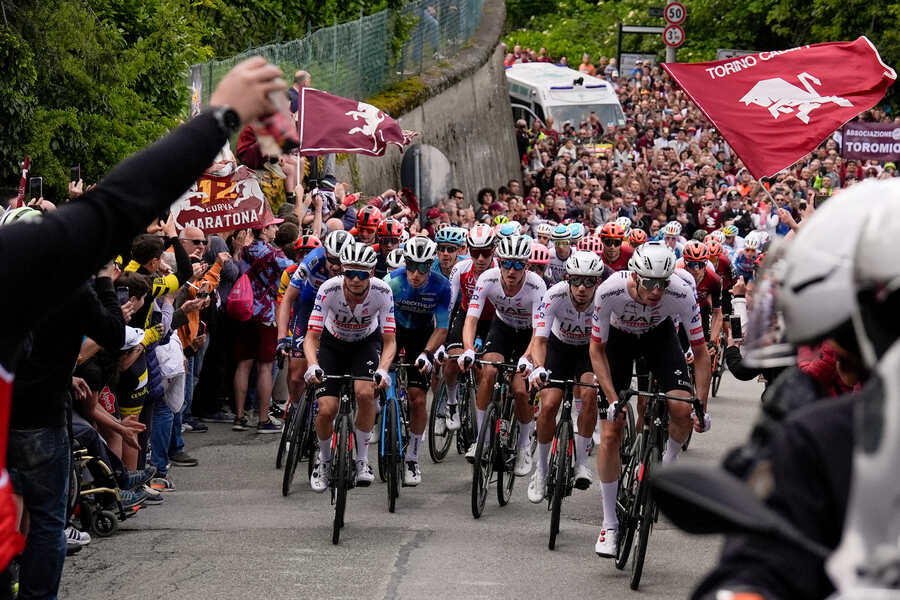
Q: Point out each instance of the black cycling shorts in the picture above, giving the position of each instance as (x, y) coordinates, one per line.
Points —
(510, 343)
(454, 336)
(659, 347)
(566, 361)
(413, 341)
(337, 357)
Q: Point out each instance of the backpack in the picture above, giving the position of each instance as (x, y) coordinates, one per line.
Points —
(239, 305)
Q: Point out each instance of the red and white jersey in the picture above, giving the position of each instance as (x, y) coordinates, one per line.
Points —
(614, 306)
(332, 311)
(462, 284)
(516, 311)
(621, 263)
(558, 315)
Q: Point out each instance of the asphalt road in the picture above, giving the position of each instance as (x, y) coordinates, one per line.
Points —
(227, 532)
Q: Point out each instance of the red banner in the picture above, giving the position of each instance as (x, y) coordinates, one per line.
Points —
(222, 203)
(330, 124)
(20, 198)
(773, 108)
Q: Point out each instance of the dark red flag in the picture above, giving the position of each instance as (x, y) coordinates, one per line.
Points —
(775, 107)
(331, 124)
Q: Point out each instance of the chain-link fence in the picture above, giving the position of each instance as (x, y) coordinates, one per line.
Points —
(360, 58)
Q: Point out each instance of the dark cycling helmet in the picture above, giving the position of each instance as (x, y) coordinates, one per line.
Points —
(390, 228)
(368, 218)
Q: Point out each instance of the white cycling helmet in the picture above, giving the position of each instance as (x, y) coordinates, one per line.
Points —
(395, 259)
(336, 241)
(586, 263)
(719, 235)
(544, 229)
(560, 233)
(751, 242)
(481, 236)
(515, 247)
(653, 260)
(672, 228)
(358, 254)
(625, 222)
(419, 249)
(404, 236)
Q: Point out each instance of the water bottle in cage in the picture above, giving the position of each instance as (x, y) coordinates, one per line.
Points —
(478, 344)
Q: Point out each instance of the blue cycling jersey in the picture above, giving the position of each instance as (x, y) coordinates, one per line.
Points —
(744, 266)
(427, 306)
(311, 273)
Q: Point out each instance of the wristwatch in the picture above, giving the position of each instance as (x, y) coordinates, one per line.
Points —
(227, 118)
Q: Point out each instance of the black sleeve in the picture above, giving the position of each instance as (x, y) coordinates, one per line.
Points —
(87, 233)
(102, 315)
(735, 363)
(184, 268)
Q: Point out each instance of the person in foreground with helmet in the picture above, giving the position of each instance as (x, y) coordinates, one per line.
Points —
(422, 313)
(516, 294)
(559, 350)
(449, 240)
(616, 253)
(695, 259)
(352, 320)
(540, 258)
(389, 233)
(559, 253)
(671, 235)
(319, 265)
(634, 315)
(463, 277)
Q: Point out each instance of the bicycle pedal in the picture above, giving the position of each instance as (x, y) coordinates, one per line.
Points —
(582, 484)
(362, 484)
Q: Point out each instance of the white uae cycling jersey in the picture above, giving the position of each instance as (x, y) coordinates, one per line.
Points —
(614, 306)
(516, 311)
(558, 315)
(556, 270)
(332, 311)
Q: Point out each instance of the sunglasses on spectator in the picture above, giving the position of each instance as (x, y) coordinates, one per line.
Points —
(481, 252)
(356, 274)
(508, 263)
(650, 283)
(459, 197)
(333, 260)
(615, 243)
(584, 281)
(388, 241)
(448, 248)
(695, 265)
(197, 242)
(421, 267)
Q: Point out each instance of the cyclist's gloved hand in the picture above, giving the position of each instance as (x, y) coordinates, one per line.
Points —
(611, 412)
(524, 365)
(538, 377)
(423, 363)
(282, 345)
(704, 427)
(314, 374)
(466, 359)
(689, 356)
(382, 379)
(440, 355)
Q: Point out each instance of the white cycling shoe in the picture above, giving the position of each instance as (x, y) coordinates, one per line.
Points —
(523, 462)
(606, 542)
(452, 420)
(583, 477)
(470, 454)
(537, 487)
(318, 481)
(364, 474)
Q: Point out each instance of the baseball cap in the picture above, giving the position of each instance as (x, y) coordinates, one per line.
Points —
(890, 165)
(269, 219)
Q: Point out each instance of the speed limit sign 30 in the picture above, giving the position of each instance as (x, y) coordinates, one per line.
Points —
(675, 13)
(673, 36)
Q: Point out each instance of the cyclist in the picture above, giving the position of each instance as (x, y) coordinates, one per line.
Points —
(302, 246)
(465, 274)
(367, 221)
(636, 237)
(516, 294)
(292, 318)
(732, 242)
(708, 284)
(745, 260)
(671, 235)
(543, 232)
(352, 320)
(625, 223)
(422, 313)
(634, 317)
(559, 253)
(450, 240)
(726, 273)
(562, 330)
(540, 258)
(389, 232)
(395, 259)
(615, 253)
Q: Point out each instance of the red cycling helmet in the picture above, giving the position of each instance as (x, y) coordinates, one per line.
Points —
(695, 250)
(540, 254)
(637, 237)
(612, 230)
(307, 242)
(368, 218)
(390, 228)
(714, 247)
(590, 244)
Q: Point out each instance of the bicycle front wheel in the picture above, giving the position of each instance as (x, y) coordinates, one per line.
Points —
(626, 503)
(391, 453)
(341, 473)
(483, 468)
(560, 467)
(285, 434)
(645, 509)
(439, 444)
(294, 429)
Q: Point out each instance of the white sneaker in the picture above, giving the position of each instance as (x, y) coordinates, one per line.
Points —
(583, 477)
(470, 454)
(318, 481)
(364, 474)
(412, 476)
(76, 538)
(523, 462)
(537, 487)
(606, 543)
(452, 419)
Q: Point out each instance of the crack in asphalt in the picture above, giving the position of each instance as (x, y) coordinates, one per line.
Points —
(401, 564)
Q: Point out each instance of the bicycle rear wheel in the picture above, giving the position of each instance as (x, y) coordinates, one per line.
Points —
(483, 468)
(391, 453)
(645, 509)
(467, 434)
(626, 503)
(439, 445)
(341, 473)
(506, 466)
(560, 468)
(295, 444)
(285, 434)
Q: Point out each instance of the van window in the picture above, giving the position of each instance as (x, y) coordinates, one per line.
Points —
(577, 114)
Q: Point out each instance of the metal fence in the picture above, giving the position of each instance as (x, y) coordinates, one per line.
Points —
(356, 59)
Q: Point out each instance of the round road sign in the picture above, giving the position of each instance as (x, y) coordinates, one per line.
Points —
(675, 13)
(673, 36)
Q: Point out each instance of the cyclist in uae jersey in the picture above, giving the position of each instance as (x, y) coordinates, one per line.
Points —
(559, 349)
(633, 318)
(352, 320)
(559, 253)
(616, 253)
(516, 294)
(480, 240)
(422, 312)
(708, 285)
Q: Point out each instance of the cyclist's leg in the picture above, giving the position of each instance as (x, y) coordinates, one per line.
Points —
(363, 362)
(453, 344)
(332, 360)
(551, 397)
(586, 418)
(414, 341)
(665, 358)
(297, 365)
(494, 350)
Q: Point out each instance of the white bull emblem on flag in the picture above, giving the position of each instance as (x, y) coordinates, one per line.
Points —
(372, 118)
(779, 96)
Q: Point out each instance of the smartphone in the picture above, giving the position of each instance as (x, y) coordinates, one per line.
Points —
(122, 294)
(202, 328)
(736, 331)
(36, 187)
(75, 174)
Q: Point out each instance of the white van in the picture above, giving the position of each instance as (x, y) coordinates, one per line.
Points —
(544, 90)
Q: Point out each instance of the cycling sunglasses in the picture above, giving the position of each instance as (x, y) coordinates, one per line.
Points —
(585, 281)
(614, 242)
(695, 265)
(448, 248)
(650, 283)
(481, 252)
(421, 267)
(507, 263)
(355, 274)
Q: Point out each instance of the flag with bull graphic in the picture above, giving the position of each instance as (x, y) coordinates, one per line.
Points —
(330, 124)
(773, 108)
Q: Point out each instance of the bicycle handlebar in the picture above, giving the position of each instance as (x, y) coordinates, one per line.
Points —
(497, 364)
(596, 386)
(624, 396)
(345, 378)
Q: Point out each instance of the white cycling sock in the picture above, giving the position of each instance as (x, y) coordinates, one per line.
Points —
(451, 393)
(325, 450)
(479, 419)
(543, 456)
(412, 449)
(609, 490)
(524, 434)
(362, 445)
(673, 450)
(582, 444)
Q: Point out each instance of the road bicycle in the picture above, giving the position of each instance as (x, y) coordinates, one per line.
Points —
(394, 428)
(439, 437)
(717, 360)
(298, 438)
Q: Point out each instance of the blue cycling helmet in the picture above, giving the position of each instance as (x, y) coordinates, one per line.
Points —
(576, 232)
(508, 229)
(451, 235)
(560, 234)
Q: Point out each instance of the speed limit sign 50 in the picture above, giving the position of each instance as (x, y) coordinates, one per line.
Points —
(673, 36)
(675, 13)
